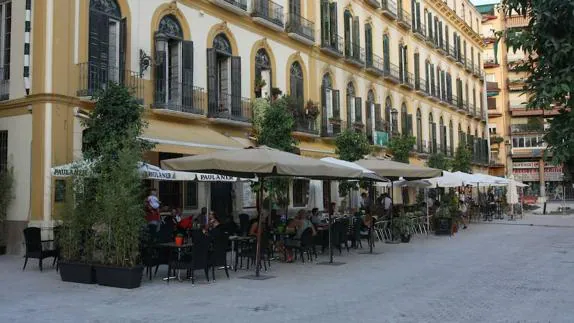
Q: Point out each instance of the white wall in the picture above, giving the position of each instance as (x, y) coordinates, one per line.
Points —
(17, 50)
(19, 156)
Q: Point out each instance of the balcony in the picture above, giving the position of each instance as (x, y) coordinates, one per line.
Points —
(268, 13)
(95, 77)
(516, 21)
(375, 65)
(490, 62)
(229, 107)
(477, 72)
(181, 98)
(391, 73)
(526, 128)
(373, 3)
(334, 46)
(460, 61)
(389, 8)
(306, 126)
(420, 31)
(492, 87)
(404, 19)
(443, 97)
(421, 87)
(407, 80)
(300, 29)
(422, 147)
(516, 85)
(331, 128)
(442, 47)
(451, 53)
(355, 54)
(453, 101)
(495, 160)
(466, 107)
(468, 66)
(237, 6)
(434, 93)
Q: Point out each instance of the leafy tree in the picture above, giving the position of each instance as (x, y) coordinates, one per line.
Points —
(351, 145)
(462, 159)
(6, 197)
(401, 146)
(275, 132)
(276, 127)
(547, 40)
(439, 161)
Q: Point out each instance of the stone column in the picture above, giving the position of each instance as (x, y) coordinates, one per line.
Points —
(542, 179)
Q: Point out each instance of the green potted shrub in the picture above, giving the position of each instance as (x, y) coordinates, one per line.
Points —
(74, 238)
(444, 220)
(6, 197)
(402, 227)
(112, 141)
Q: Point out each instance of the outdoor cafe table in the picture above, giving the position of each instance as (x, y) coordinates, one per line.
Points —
(173, 245)
(234, 239)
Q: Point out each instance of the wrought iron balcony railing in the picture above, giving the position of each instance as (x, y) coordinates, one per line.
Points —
(269, 11)
(389, 8)
(335, 45)
(232, 107)
(404, 19)
(374, 64)
(94, 77)
(391, 72)
(179, 97)
(300, 26)
(355, 53)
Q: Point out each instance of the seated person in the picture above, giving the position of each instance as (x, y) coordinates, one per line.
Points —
(201, 220)
(186, 222)
(254, 227)
(315, 219)
(300, 224)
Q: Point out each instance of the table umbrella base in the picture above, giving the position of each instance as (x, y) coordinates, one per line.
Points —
(334, 263)
(369, 253)
(393, 241)
(255, 277)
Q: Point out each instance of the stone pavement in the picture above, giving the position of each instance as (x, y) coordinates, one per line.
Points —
(488, 273)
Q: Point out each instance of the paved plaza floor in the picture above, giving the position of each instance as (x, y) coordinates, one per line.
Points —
(520, 271)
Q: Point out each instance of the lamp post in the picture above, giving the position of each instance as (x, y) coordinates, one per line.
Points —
(146, 60)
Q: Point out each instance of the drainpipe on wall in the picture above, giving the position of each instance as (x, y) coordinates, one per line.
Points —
(27, 46)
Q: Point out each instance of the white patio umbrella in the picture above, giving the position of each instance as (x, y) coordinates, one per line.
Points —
(447, 179)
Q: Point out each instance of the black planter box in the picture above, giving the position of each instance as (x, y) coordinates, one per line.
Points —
(405, 238)
(77, 272)
(443, 226)
(120, 277)
(2, 250)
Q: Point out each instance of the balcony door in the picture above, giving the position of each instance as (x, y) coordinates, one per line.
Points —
(224, 79)
(106, 44)
(296, 84)
(262, 74)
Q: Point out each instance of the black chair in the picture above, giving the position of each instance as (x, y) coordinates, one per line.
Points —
(199, 254)
(306, 245)
(150, 252)
(244, 224)
(218, 255)
(35, 248)
(57, 237)
(339, 235)
(355, 234)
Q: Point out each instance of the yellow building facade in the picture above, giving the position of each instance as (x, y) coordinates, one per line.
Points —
(380, 67)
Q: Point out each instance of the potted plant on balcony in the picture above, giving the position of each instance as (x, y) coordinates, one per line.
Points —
(6, 197)
(259, 84)
(312, 110)
(275, 93)
(112, 139)
(496, 140)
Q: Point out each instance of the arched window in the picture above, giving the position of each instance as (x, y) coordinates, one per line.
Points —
(373, 116)
(450, 138)
(106, 46)
(461, 136)
(432, 131)
(296, 83)
(388, 108)
(419, 131)
(262, 74)
(354, 108)
(404, 117)
(403, 63)
(224, 81)
(330, 101)
(327, 81)
(369, 44)
(174, 67)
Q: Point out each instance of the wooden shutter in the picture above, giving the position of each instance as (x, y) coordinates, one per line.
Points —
(336, 104)
(417, 71)
(236, 86)
(349, 109)
(160, 78)
(406, 62)
(418, 14)
(295, 6)
(413, 15)
(427, 75)
(123, 48)
(369, 44)
(432, 89)
(446, 35)
(325, 31)
(324, 116)
(187, 75)
(440, 36)
(429, 36)
(358, 110)
(401, 55)
(334, 25)
(410, 124)
(212, 88)
(433, 138)
(347, 26)
(356, 37)
(98, 51)
(386, 54)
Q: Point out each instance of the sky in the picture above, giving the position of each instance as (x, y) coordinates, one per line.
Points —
(477, 2)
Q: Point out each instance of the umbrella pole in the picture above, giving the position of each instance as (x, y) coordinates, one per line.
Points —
(391, 210)
(427, 206)
(330, 221)
(259, 226)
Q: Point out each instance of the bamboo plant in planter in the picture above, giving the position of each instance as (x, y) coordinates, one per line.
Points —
(112, 140)
(6, 197)
(402, 227)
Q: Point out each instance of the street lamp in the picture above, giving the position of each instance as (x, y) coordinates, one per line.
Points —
(146, 60)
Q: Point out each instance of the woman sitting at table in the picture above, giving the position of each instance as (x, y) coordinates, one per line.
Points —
(300, 224)
(254, 228)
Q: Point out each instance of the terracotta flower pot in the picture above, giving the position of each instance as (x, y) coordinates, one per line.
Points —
(179, 241)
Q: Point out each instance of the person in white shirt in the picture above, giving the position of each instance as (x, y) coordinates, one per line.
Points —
(387, 204)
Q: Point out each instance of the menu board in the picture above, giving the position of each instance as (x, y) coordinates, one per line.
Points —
(249, 197)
